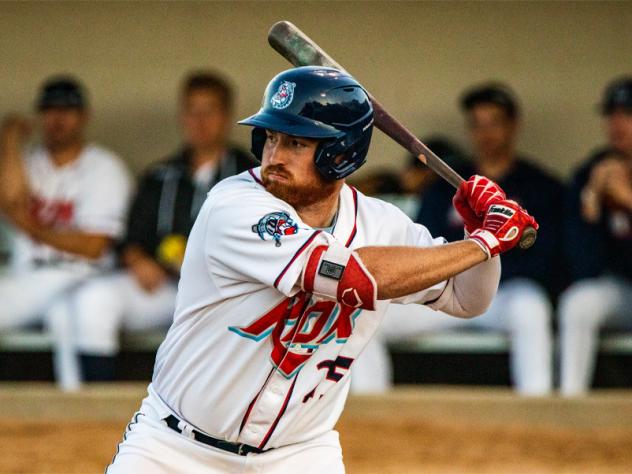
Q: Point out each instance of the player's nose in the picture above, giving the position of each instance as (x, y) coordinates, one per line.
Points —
(278, 153)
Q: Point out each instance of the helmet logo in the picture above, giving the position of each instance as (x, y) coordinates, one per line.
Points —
(283, 96)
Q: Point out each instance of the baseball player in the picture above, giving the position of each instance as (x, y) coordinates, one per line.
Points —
(522, 308)
(142, 294)
(599, 245)
(67, 201)
(286, 276)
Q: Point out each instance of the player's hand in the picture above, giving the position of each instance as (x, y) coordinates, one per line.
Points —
(473, 198)
(148, 274)
(618, 190)
(14, 130)
(505, 222)
(610, 184)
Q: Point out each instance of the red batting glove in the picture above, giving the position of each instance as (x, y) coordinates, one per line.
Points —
(473, 198)
(504, 224)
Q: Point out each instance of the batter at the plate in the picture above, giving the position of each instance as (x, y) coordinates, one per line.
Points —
(287, 274)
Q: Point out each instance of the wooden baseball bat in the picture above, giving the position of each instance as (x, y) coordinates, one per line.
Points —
(300, 50)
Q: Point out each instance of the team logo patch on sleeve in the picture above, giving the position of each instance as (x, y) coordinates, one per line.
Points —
(275, 225)
(283, 96)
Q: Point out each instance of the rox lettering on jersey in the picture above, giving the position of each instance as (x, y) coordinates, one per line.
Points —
(299, 325)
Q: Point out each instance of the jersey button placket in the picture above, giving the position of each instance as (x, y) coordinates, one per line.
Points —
(276, 389)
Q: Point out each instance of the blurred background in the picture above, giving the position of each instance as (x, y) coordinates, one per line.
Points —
(554, 59)
(415, 57)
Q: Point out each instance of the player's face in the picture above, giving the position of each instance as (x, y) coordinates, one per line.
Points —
(619, 129)
(288, 170)
(491, 131)
(205, 120)
(63, 126)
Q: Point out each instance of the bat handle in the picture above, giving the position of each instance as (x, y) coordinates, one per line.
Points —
(528, 238)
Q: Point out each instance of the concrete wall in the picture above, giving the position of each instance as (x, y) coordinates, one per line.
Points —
(415, 57)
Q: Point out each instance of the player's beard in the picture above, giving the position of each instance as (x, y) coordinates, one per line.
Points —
(312, 190)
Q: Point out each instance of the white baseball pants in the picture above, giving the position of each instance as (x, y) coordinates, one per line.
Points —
(91, 316)
(521, 309)
(107, 304)
(41, 294)
(585, 308)
(27, 296)
(149, 446)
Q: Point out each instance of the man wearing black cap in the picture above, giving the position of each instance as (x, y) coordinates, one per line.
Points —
(67, 201)
(599, 244)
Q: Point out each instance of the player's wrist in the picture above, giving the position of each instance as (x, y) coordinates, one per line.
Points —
(487, 241)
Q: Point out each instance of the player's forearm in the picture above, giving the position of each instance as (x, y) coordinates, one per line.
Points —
(72, 241)
(132, 253)
(13, 183)
(401, 271)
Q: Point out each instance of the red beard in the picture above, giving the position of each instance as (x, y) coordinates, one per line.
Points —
(297, 195)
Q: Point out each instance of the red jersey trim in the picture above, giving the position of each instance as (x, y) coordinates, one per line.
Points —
(279, 416)
(354, 231)
(296, 255)
(252, 403)
(254, 176)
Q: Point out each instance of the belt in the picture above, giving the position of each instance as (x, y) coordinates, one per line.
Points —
(236, 448)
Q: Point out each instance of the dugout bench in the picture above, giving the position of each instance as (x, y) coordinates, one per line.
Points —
(453, 341)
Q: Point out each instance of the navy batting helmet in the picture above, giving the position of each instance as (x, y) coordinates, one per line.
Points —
(321, 103)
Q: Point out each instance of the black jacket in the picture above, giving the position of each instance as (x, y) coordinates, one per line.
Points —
(168, 200)
(603, 247)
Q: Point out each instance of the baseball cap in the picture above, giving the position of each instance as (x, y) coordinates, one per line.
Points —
(618, 94)
(61, 91)
(491, 93)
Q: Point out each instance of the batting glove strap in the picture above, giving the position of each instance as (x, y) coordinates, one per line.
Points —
(487, 241)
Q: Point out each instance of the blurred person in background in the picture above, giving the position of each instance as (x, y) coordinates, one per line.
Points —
(522, 307)
(599, 244)
(141, 295)
(66, 200)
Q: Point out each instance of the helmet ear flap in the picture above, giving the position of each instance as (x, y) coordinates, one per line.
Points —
(258, 140)
(326, 156)
(352, 155)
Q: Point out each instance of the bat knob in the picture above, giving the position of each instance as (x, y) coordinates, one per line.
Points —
(528, 238)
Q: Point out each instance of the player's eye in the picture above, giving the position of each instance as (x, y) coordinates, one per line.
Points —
(297, 143)
(271, 137)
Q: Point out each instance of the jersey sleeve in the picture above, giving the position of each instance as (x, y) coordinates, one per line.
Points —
(255, 237)
(102, 207)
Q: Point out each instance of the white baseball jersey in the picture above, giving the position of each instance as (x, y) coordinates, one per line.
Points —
(251, 357)
(90, 194)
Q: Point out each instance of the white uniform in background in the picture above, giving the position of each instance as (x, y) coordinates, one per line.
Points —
(520, 310)
(253, 355)
(91, 195)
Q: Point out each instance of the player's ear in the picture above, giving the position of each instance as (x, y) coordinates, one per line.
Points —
(339, 159)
